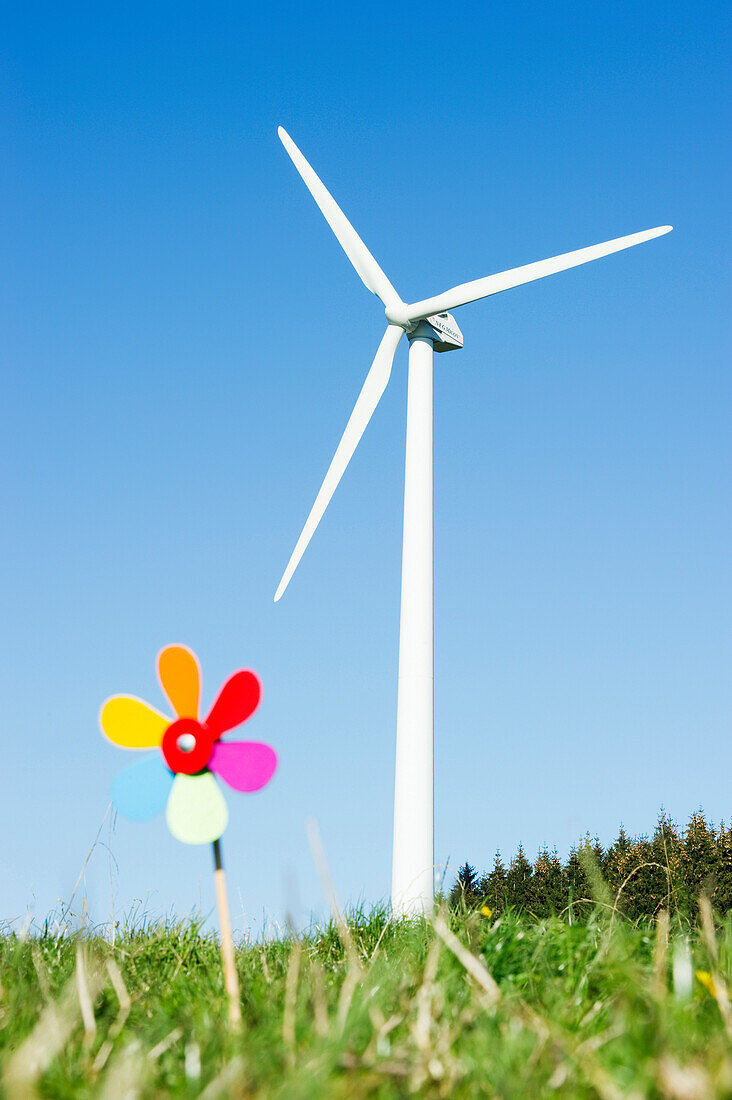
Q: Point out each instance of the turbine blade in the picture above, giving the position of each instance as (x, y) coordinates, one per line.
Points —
(492, 284)
(365, 264)
(367, 401)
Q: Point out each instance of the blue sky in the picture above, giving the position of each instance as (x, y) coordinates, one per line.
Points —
(182, 343)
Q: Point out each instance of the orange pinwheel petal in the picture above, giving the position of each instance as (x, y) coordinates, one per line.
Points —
(180, 676)
(132, 723)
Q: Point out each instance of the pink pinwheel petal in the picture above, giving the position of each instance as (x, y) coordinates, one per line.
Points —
(244, 765)
(238, 698)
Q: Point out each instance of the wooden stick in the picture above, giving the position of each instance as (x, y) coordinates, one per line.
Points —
(231, 980)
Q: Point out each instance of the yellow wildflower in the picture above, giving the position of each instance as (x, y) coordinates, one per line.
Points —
(707, 981)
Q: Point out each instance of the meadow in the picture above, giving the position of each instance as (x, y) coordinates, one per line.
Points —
(466, 1004)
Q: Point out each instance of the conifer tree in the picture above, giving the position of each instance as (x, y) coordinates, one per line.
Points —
(465, 889)
(548, 884)
(493, 886)
(640, 882)
(723, 892)
(666, 851)
(699, 860)
(616, 861)
(598, 854)
(519, 885)
(576, 886)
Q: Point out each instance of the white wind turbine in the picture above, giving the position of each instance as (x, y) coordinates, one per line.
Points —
(429, 327)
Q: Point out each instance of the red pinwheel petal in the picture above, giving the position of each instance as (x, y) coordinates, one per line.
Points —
(237, 700)
(244, 765)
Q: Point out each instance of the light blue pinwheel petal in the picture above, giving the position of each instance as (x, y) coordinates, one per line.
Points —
(140, 791)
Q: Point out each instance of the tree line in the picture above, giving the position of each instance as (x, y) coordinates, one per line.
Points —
(637, 876)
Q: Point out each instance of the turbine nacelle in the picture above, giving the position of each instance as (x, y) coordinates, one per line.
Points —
(446, 334)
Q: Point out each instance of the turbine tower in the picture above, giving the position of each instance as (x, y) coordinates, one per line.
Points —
(429, 327)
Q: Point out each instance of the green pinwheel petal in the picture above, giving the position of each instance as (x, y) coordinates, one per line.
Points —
(196, 812)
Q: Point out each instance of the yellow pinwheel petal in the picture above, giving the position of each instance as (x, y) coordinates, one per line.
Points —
(196, 812)
(180, 676)
(132, 723)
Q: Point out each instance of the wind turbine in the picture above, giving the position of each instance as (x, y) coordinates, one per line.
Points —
(429, 327)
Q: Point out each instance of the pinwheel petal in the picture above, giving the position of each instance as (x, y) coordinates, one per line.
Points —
(238, 698)
(196, 812)
(141, 790)
(245, 765)
(180, 676)
(132, 723)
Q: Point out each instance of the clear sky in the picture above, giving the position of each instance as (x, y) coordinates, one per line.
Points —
(182, 343)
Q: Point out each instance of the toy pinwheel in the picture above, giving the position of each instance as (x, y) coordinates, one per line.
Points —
(181, 776)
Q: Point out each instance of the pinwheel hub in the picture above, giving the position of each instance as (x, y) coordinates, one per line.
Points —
(187, 746)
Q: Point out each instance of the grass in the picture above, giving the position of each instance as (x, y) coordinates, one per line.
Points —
(462, 1006)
